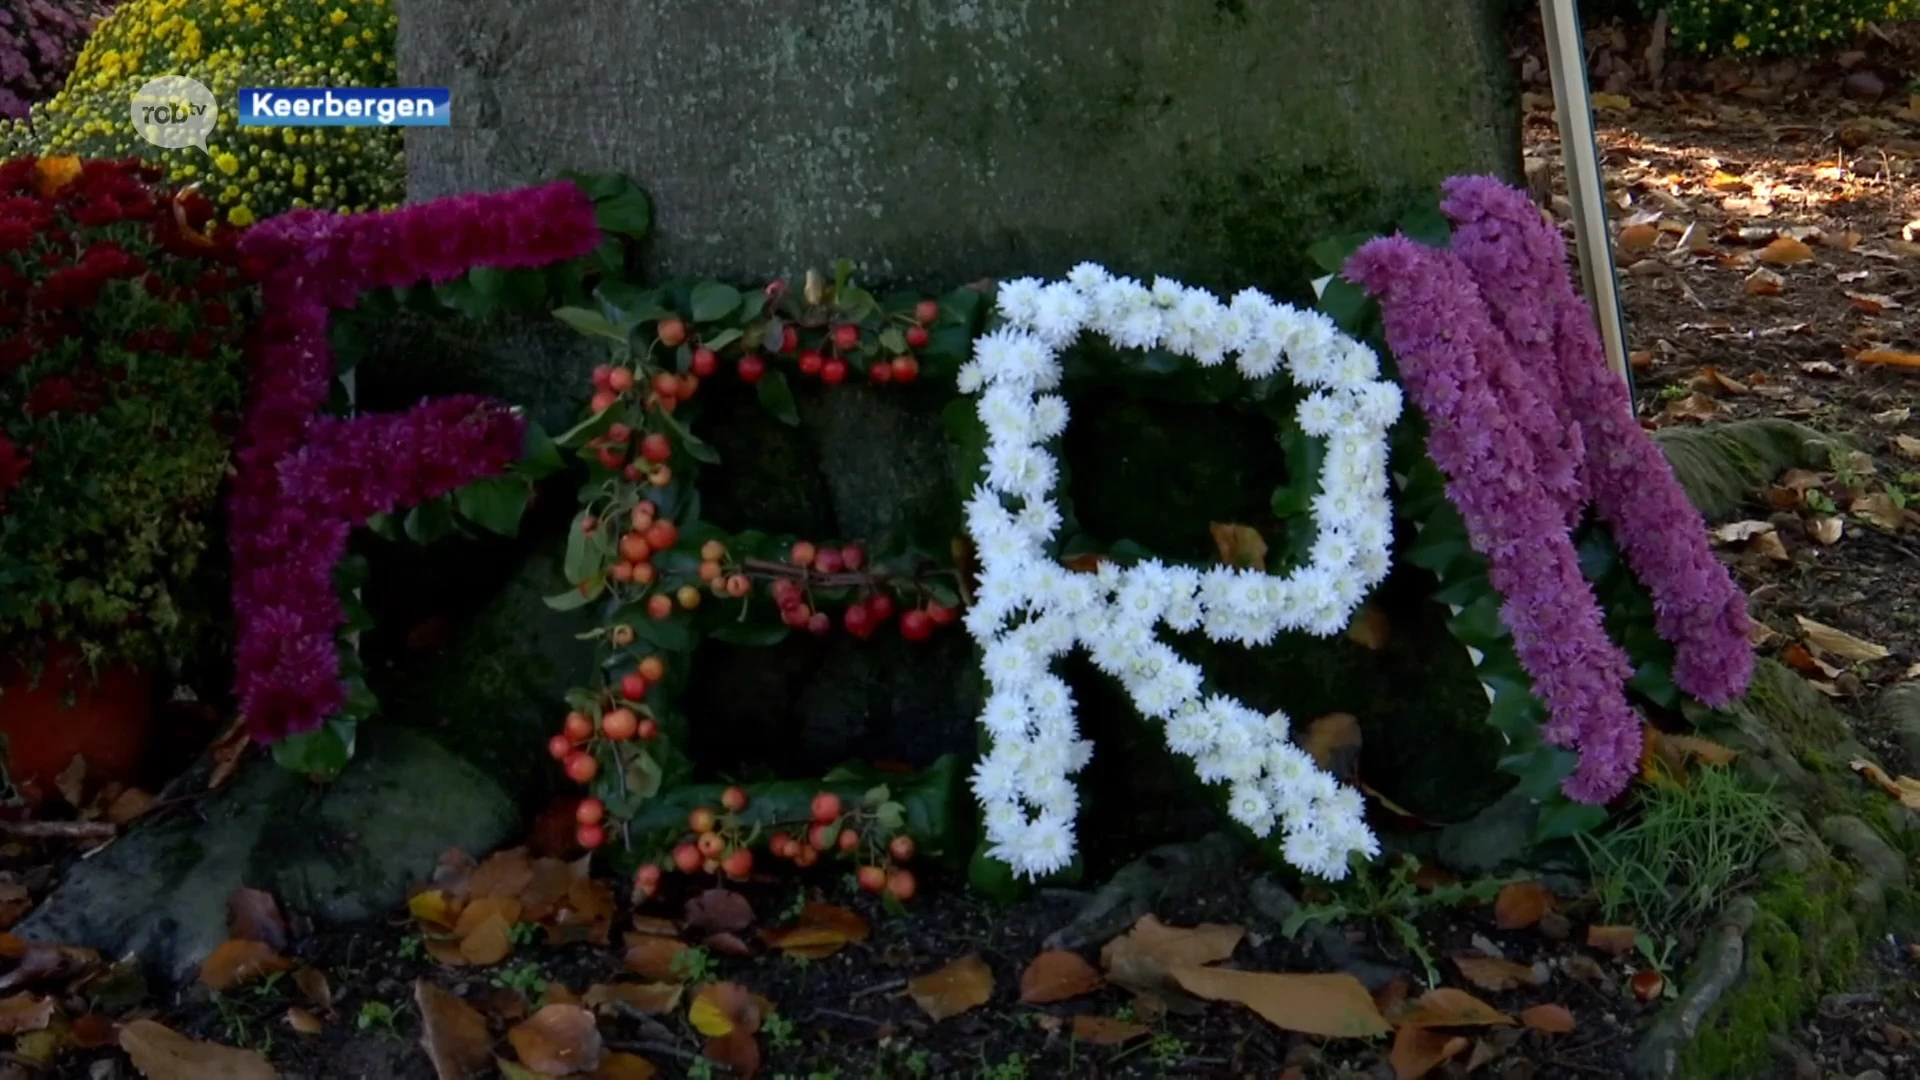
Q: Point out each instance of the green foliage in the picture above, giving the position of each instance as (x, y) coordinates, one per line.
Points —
(1691, 845)
(1396, 898)
(228, 44)
(120, 385)
(1772, 26)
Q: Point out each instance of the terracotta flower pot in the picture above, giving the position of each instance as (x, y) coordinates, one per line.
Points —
(106, 721)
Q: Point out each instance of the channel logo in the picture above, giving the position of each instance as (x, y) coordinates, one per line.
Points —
(345, 106)
(174, 112)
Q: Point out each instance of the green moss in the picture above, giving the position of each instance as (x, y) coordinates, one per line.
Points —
(1803, 944)
(1720, 465)
(1786, 705)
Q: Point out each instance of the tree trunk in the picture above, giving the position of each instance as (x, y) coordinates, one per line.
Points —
(936, 141)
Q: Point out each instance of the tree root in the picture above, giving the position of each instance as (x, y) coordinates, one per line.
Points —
(1164, 873)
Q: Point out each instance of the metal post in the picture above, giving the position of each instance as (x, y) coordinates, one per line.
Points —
(1580, 154)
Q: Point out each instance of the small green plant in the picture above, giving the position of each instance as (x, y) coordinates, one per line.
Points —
(1692, 843)
(412, 947)
(1396, 901)
(377, 1016)
(1167, 1048)
(700, 1069)
(1758, 27)
(1673, 393)
(779, 1031)
(694, 965)
(523, 934)
(1819, 502)
(1013, 1068)
(917, 1063)
(525, 978)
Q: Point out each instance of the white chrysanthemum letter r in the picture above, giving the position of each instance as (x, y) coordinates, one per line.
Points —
(1029, 609)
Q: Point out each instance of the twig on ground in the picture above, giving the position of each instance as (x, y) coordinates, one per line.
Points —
(59, 830)
(663, 1049)
(878, 988)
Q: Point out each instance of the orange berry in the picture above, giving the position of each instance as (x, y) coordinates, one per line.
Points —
(623, 571)
(662, 535)
(711, 844)
(901, 884)
(700, 820)
(579, 727)
(673, 333)
(738, 586)
(590, 812)
(872, 879)
(738, 864)
(620, 380)
(582, 767)
(622, 635)
(734, 798)
(848, 841)
(779, 843)
(648, 729)
(659, 606)
(620, 724)
(559, 747)
(802, 554)
(660, 475)
(641, 516)
(901, 848)
(666, 385)
(713, 551)
(826, 807)
(641, 573)
(710, 572)
(652, 669)
(603, 401)
(805, 856)
(689, 597)
(590, 836)
(687, 858)
(635, 548)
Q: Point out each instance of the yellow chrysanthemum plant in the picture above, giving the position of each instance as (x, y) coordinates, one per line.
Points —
(1760, 27)
(249, 173)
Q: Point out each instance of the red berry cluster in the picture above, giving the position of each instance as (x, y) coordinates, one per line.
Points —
(720, 844)
(844, 348)
(866, 614)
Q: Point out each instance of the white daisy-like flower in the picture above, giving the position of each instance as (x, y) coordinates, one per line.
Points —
(1018, 300)
(1006, 716)
(1059, 313)
(1049, 416)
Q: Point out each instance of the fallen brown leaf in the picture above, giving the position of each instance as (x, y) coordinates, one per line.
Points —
(652, 957)
(504, 873)
(71, 783)
(1445, 1007)
(1705, 749)
(128, 805)
(1638, 238)
(453, 1033)
(1907, 447)
(24, 1012)
(1647, 985)
(91, 1031)
(718, 911)
(313, 983)
(624, 1067)
(1785, 251)
(1888, 358)
(653, 924)
(1057, 975)
(1692, 407)
(644, 998)
(236, 962)
(1330, 1006)
(1617, 940)
(1872, 303)
(822, 930)
(1370, 628)
(964, 984)
(1141, 958)
(1611, 102)
(1739, 532)
(1826, 530)
(1334, 742)
(1764, 282)
(1838, 643)
(227, 751)
(1495, 974)
(160, 1053)
(1880, 509)
(1905, 788)
(559, 1039)
(1106, 1031)
(488, 943)
(1239, 545)
(1551, 1019)
(15, 902)
(1710, 379)
(586, 915)
(1801, 659)
(303, 1022)
(1771, 546)
(1521, 904)
(1417, 1051)
(254, 915)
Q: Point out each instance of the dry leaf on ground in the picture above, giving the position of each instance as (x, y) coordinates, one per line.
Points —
(822, 930)
(966, 983)
(1417, 1051)
(1494, 974)
(625, 1067)
(313, 983)
(1647, 985)
(1764, 282)
(1905, 788)
(160, 1053)
(1334, 742)
(1330, 1006)
(1785, 251)
(303, 1022)
(1888, 358)
(1445, 1007)
(1616, 940)
(652, 957)
(129, 805)
(237, 962)
(453, 1033)
(1839, 643)
(1057, 975)
(1239, 545)
(1739, 532)
(1552, 1019)
(433, 908)
(718, 911)
(1907, 447)
(1827, 530)
(1142, 958)
(559, 1039)
(1521, 904)
(1106, 1031)
(254, 915)
(643, 998)
(1370, 628)
(730, 1016)
(24, 1012)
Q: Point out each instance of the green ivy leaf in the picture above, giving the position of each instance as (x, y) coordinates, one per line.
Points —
(1427, 224)
(691, 443)
(495, 504)
(721, 340)
(1347, 304)
(541, 457)
(574, 599)
(430, 521)
(1332, 253)
(591, 323)
(635, 304)
(777, 397)
(893, 341)
(586, 551)
(322, 753)
(643, 775)
(1562, 818)
(714, 300)
(1304, 457)
(384, 527)
(673, 634)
